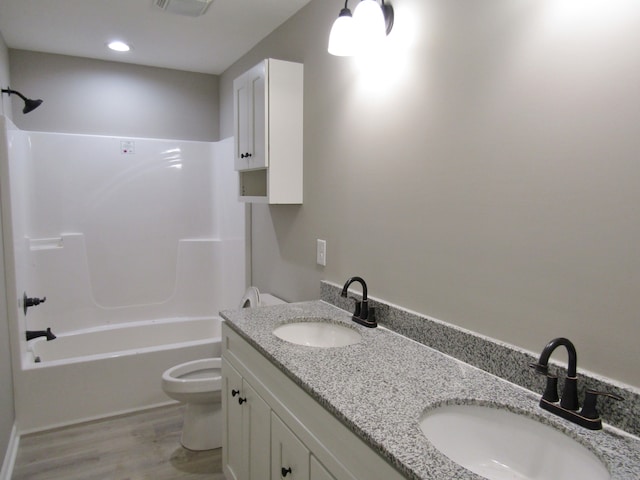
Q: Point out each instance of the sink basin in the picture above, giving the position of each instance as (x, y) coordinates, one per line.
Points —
(321, 333)
(499, 444)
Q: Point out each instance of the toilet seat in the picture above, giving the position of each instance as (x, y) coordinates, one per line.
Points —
(198, 376)
(251, 298)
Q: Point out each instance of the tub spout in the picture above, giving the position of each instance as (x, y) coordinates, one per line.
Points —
(31, 334)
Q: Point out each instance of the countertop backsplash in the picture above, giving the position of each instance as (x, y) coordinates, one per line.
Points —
(498, 358)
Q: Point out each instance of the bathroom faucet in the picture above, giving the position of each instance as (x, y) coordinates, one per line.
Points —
(363, 314)
(568, 406)
(31, 334)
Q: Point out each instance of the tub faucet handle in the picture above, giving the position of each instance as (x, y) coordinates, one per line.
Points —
(31, 302)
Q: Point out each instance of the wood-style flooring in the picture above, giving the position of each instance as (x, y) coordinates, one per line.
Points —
(143, 445)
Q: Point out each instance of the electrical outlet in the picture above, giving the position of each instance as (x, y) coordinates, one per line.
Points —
(321, 252)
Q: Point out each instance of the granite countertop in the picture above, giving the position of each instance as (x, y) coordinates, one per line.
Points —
(380, 387)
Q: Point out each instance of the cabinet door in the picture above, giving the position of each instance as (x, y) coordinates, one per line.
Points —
(257, 434)
(250, 119)
(232, 433)
(258, 119)
(289, 456)
(241, 132)
(317, 471)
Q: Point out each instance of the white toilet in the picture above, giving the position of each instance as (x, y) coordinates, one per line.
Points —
(253, 298)
(198, 385)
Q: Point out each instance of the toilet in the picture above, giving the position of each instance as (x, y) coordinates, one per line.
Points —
(253, 298)
(198, 384)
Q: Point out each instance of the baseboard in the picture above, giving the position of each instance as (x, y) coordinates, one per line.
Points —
(10, 455)
(93, 418)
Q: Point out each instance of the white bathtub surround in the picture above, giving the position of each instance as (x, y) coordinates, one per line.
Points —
(113, 231)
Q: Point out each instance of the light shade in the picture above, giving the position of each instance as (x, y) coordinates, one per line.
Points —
(342, 39)
(119, 46)
(370, 24)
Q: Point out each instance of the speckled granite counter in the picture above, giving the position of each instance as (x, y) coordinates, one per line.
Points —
(380, 387)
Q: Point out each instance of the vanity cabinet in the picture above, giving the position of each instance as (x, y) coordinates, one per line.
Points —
(268, 116)
(284, 428)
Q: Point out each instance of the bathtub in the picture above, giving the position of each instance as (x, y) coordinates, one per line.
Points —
(105, 371)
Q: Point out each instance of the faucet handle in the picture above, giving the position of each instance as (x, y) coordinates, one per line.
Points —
(539, 368)
(357, 305)
(590, 399)
(551, 390)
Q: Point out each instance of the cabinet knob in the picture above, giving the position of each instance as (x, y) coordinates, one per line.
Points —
(245, 155)
(285, 471)
(234, 392)
(241, 400)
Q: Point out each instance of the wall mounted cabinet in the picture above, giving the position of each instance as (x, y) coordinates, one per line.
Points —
(268, 116)
(268, 418)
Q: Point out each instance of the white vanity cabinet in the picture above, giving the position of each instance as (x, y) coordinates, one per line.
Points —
(299, 434)
(268, 116)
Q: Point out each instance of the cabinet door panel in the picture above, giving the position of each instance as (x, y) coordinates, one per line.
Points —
(258, 121)
(232, 444)
(241, 125)
(289, 456)
(317, 471)
(257, 420)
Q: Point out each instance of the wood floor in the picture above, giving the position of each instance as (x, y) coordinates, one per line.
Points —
(143, 445)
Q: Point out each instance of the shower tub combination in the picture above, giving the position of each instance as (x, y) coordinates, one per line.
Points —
(103, 371)
(136, 254)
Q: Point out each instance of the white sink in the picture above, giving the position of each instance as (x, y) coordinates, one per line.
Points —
(321, 333)
(499, 444)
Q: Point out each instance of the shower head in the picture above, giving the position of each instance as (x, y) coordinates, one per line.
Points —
(29, 105)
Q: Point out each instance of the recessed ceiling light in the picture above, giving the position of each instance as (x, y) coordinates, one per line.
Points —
(119, 46)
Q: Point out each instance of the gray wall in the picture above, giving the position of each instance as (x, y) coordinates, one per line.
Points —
(108, 98)
(486, 174)
(6, 381)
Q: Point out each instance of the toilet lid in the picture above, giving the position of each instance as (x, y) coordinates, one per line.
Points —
(251, 298)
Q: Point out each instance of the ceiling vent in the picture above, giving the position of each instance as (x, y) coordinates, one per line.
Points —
(190, 8)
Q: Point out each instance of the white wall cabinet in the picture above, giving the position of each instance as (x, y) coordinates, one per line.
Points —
(286, 435)
(268, 131)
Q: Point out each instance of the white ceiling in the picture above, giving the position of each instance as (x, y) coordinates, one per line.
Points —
(207, 44)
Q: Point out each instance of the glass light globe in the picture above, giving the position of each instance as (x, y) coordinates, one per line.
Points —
(342, 41)
(370, 25)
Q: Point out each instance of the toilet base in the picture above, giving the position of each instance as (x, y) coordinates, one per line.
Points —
(202, 427)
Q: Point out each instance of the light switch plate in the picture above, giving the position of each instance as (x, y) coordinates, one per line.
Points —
(321, 252)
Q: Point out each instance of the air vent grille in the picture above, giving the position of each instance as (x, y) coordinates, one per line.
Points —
(190, 8)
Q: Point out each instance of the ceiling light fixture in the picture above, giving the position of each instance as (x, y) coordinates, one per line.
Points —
(119, 46)
(363, 31)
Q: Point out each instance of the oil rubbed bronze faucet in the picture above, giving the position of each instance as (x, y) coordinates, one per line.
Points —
(568, 406)
(363, 314)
